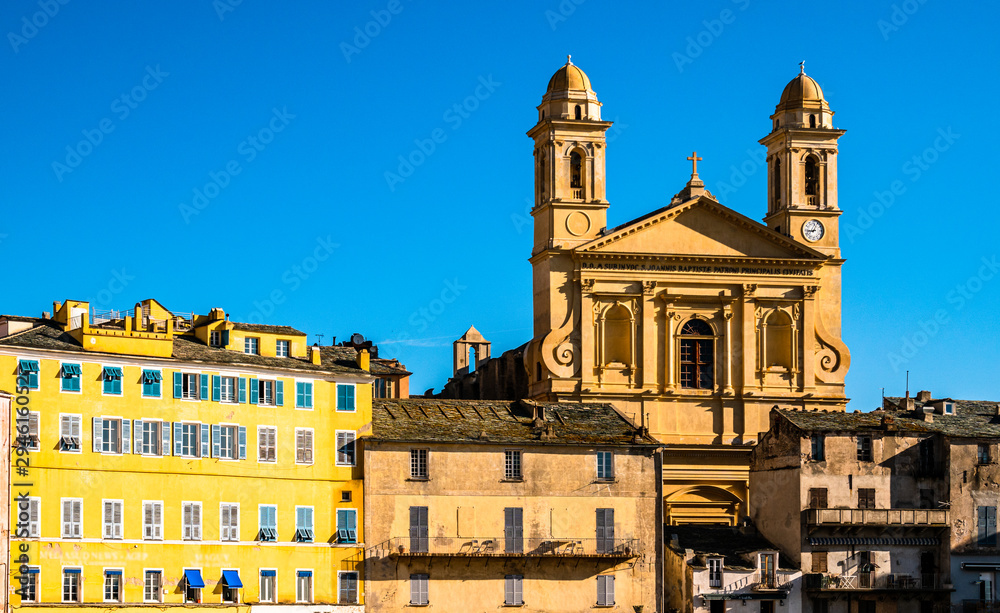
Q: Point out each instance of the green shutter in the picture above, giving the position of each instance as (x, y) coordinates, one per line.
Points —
(243, 390)
(216, 388)
(243, 442)
(178, 385)
(279, 393)
(299, 396)
(204, 388)
(254, 391)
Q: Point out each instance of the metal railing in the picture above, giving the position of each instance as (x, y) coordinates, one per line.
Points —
(878, 517)
(877, 581)
(761, 581)
(509, 547)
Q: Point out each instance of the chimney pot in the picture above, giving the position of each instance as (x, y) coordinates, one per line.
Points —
(46, 315)
(923, 396)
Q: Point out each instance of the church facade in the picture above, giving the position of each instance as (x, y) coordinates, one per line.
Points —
(694, 320)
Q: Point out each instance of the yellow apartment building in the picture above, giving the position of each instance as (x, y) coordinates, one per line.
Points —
(175, 460)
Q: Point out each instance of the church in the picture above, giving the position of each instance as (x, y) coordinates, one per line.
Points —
(693, 320)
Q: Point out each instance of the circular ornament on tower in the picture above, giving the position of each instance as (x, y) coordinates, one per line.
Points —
(577, 223)
(813, 230)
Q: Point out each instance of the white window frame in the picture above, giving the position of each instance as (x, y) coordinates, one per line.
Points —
(159, 586)
(354, 440)
(194, 525)
(234, 449)
(197, 439)
(260, 527)
(281, 342)
(104, 520)
(419, 464)
(236, 590)
(273, 431)
(103, 393)
(312, 393)
(34, 527)
(357, 576)
(223, 529)
(31, 586)
(142, 370)
(75, 423)
(215, 338)
(336, 398)
(120, 444)
(156, 527)
(600, 477)
(353, 512)
(234, 390)
(262, 399)
(79, 584)
(34, 437)
(298, 594)
(62, 519)
(200, 590)
(312, 516)
(121, 584)
(312, 447)
(274, 585)
(190, 392)
(721, 570)
(80, 376)
(251, 342)
(157, 440)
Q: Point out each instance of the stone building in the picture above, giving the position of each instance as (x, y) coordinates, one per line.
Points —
(476, 505)
(714, 569)
(693, 318)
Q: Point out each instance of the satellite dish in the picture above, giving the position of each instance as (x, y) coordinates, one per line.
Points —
(357, 339)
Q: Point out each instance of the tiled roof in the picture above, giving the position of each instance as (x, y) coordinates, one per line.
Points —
(972, 418)
(382, 366)
(501, 421)
(21, 318)
(50, 336)
(735, 548)
(266, 329)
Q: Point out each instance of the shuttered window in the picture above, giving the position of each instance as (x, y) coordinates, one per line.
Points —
(513, 530)
(31, 440)
(151, 381)
(817, 498)
(69, 432)
(348, 588)
(347, 526)
(268, 523)
(345, 448)
(605, 530)
(303, 445)
(191, 517)
(112, 519)
(605, 590)
(72, 518)
(229, 521)
(304, 524)
(267, 444)
(27, 371)
(345, 397)
(152, 521)
(418, 589)
(34, 517)
(112, 377)
(303, 395)
(866, 498)
(513, 586)
(987, 526)
(70, 376)
(418, 464)
(819, 562)
(605, 466)
(418, 529)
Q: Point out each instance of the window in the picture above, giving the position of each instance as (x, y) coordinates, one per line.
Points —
(347, 526)
(69, 433)
(227, 389)
(345, 448)
(304, 524)
(776, 181)
(345, 397)
(229, 521)
(265, 392)
(251, 346)
(579, 112)
(303, 586)
(348, 592)
(382, 388)
(866, 498)
(231, 585)
(949, 408)
(605, 590)
(267, 444)
(190, 385)
(113, 585)
(215, 338)
(697, 355)
(864, 448)
(715, 572)
(71, 585)
(151, 381)
(987, 526)
(819, 561)
(418, 464)
(152, 585)
(190, 440)
(226, 444)
(111, 435)
(29, 585)
(605, 466)
(281, 348)
(605, 530)
(152, 435)
(27, 371)
(512, 464)
(617, 336)
(812, 178)
(576, 173)
(418, 529)
(817, 498)
(112, 519)
(152, 521)
(818, 452)
(983, 453)
(191, 518)
(193, 584)
(267, 580)
(29, 440)
(112, 377)
(268, 522)
(70, 375)
(72, 518)
(34, 514)
(304, 446)
(513, 588)
(513, 530)
(926, 498)
(927, 456)
(345, 496)
(303, 395)
(418, 589)
(812, 121)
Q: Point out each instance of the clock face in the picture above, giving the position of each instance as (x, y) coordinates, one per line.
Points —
(813, 230)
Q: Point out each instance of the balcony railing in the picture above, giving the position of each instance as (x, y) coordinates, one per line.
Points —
(501, 547)
(757, 582)
(878, 517)
(877, 581)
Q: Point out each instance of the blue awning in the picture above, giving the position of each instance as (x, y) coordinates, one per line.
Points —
(305, 573)
(863, 540)
(72, 571)
(113, 572)
(33, 571)
(267, 573)
(193, 578)
(231, 578)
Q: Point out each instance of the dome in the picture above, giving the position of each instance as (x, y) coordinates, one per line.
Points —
(801, 90)
(569, 77)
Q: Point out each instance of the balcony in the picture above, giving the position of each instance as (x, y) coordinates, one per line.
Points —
(872, 581)
(878, 517)
(499, 547)
(777, 583)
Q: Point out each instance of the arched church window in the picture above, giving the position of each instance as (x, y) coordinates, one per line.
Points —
(697, 355)
(541, 176)
(776, 181)
(778, 340)
(812, 121)
(812, 178)
(576, 174)
(618, 336)
(579, 112)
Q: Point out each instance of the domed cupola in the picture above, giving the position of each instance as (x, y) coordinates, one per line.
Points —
(802, 104)
(569, 96)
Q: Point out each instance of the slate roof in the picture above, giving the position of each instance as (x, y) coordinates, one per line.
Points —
(382, 366)
(735, 548)
(21, 318)
(972, 418)
(49, 335)
(434, 420)
(266, 329)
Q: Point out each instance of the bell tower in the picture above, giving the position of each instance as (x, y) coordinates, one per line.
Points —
(570, 209)
(802, 167)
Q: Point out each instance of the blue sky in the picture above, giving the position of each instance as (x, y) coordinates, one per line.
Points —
(235, 154)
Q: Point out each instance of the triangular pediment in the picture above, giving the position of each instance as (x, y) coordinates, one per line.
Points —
(700, 227)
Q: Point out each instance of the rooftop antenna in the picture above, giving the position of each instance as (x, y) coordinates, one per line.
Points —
(907, 388)
(319, 339)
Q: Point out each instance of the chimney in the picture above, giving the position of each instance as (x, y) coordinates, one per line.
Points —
(364, 360)
(314, 355)
(927, 414)
(46, 315)
(923, 396)
(910, 404)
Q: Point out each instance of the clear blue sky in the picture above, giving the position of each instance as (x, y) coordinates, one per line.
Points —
(176, 95)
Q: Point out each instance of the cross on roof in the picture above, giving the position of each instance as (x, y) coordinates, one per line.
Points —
(802, 67)
(694, 159)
